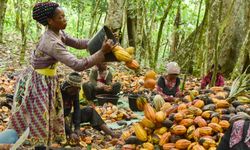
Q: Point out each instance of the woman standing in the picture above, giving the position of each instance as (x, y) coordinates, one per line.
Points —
(37, 100)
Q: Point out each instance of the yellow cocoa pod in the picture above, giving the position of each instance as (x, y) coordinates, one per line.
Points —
(148, 146)
(147, 123)
(140, 133)
(122, 55)
(130, 50)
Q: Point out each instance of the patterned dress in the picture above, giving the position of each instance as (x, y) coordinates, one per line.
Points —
(168, 88)
(37, 100)
(237, 137)
(38, 105)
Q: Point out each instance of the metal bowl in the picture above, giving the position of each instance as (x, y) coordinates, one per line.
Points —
(105, 98)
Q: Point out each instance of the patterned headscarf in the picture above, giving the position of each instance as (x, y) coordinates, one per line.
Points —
(73, 79)
(173, 68)
(43, 11)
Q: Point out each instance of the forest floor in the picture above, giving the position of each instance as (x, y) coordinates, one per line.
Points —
(118, 117)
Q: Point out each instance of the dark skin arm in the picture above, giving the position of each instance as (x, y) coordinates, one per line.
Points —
(73, 94)
(108, 86)
(76, 114)
(76, 119)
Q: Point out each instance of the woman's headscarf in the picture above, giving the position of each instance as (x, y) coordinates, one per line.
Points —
(43, 11)
(72, 80)
(173, 68)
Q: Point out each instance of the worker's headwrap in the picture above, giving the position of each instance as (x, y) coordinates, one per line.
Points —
(44, 10)
(74, 79)
(173, 68)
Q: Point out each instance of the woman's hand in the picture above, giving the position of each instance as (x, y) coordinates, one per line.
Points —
(107, 46)
(179, 94)
(169, 98)
(100, 86)
(107, 88)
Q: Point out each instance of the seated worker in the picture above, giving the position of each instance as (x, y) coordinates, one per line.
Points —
(237, 137)
(100, 82)
(70, 94)
(168, 85)
(207, 79)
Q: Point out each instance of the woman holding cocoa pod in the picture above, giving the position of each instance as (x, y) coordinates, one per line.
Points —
(38, 103)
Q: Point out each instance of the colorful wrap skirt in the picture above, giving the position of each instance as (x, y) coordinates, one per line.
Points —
(38, 105)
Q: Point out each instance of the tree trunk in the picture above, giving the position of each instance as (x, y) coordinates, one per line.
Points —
(231, 30)
(139, 30)
(131, 24)
(124, 30)
(175, 35)
(221, 19)
(95, 7)
(114, 18)
(160, 31)
(148, 42)
(188, 51)
(3, 6)
(97, 23)
(244, 57)
(23, 34)
(17, 13)
(197, 37)
(217, 45)
(24, 28)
